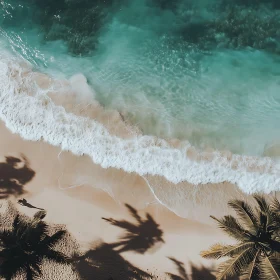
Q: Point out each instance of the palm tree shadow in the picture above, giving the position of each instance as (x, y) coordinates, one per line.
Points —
(104, 263)
(197, 273)
(204, 273)
(13, 177)
(181, 270)
(139, 236)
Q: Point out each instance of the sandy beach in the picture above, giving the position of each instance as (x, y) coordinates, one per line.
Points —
(138, 128)
(69, 188)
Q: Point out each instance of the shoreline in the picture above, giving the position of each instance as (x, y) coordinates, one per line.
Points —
(80, 177)
(71, 128)
(81, 209)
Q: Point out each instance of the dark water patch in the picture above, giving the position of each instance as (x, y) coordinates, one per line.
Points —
(163, 64)
(232, 26)
(76, 22)
(205, 24)
(274, 4)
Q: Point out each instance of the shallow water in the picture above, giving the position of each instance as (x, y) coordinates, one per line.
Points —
(169, 68)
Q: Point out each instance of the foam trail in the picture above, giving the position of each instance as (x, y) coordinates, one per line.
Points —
(29, 112)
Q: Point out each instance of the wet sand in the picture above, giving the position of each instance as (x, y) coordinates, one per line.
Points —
(78, 193)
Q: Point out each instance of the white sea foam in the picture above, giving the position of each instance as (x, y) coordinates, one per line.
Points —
(27, 110)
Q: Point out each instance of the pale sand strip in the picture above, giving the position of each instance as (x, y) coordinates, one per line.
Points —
(81, 208)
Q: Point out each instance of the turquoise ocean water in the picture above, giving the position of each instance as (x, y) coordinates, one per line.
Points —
(203, 71)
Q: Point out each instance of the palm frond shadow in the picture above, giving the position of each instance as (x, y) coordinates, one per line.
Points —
(13, 178)
(181, 271)
(196, 273)
(139, 236)
(202, 273)
(25, 242)
(104, 263)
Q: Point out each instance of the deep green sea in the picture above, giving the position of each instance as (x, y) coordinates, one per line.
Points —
(206, 71)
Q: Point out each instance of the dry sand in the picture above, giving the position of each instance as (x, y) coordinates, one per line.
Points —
(78, 193)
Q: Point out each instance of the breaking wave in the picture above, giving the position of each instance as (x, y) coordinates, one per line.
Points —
(27, 108)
